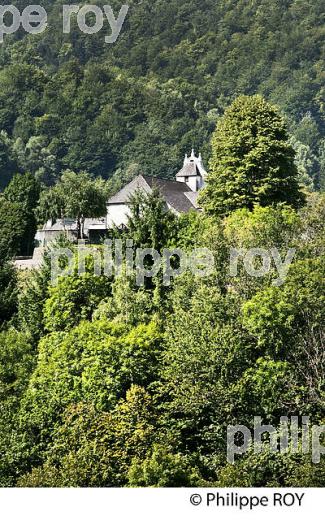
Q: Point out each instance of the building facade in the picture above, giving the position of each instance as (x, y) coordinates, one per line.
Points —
(179, 195)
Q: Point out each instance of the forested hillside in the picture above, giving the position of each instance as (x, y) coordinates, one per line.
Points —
(108, 381)
(73, 101)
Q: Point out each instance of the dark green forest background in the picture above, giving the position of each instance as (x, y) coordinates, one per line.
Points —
(72, 101)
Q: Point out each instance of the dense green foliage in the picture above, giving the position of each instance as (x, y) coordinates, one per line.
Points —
(136, 386)
(72, 101)
(22, 194)
(75, 196)
(8, 291)
(252, 161)
(17, 230)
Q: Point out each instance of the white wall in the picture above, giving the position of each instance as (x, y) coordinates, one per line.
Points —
(117, 214)
(193, 183)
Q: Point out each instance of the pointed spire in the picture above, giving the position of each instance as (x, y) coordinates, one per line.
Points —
(193, 154)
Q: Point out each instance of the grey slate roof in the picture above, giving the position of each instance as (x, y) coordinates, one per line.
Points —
(71, 224)
(59, 225)
(176, 194)
(95, 224)
(193, 196)
(189, 170)
(123, 196)
(192, 167)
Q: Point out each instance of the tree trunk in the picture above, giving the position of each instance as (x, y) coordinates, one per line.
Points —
(82, 226)
(79, 228)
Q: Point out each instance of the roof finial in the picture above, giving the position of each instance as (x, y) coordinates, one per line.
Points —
(193, 154)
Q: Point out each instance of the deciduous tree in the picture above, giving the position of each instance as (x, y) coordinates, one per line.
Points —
(252, 161)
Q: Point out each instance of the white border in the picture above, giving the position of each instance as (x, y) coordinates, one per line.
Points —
(147, 504)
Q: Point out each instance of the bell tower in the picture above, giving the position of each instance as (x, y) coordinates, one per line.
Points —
(193, 172)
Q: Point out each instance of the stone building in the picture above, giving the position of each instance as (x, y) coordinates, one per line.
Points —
(180, 195)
